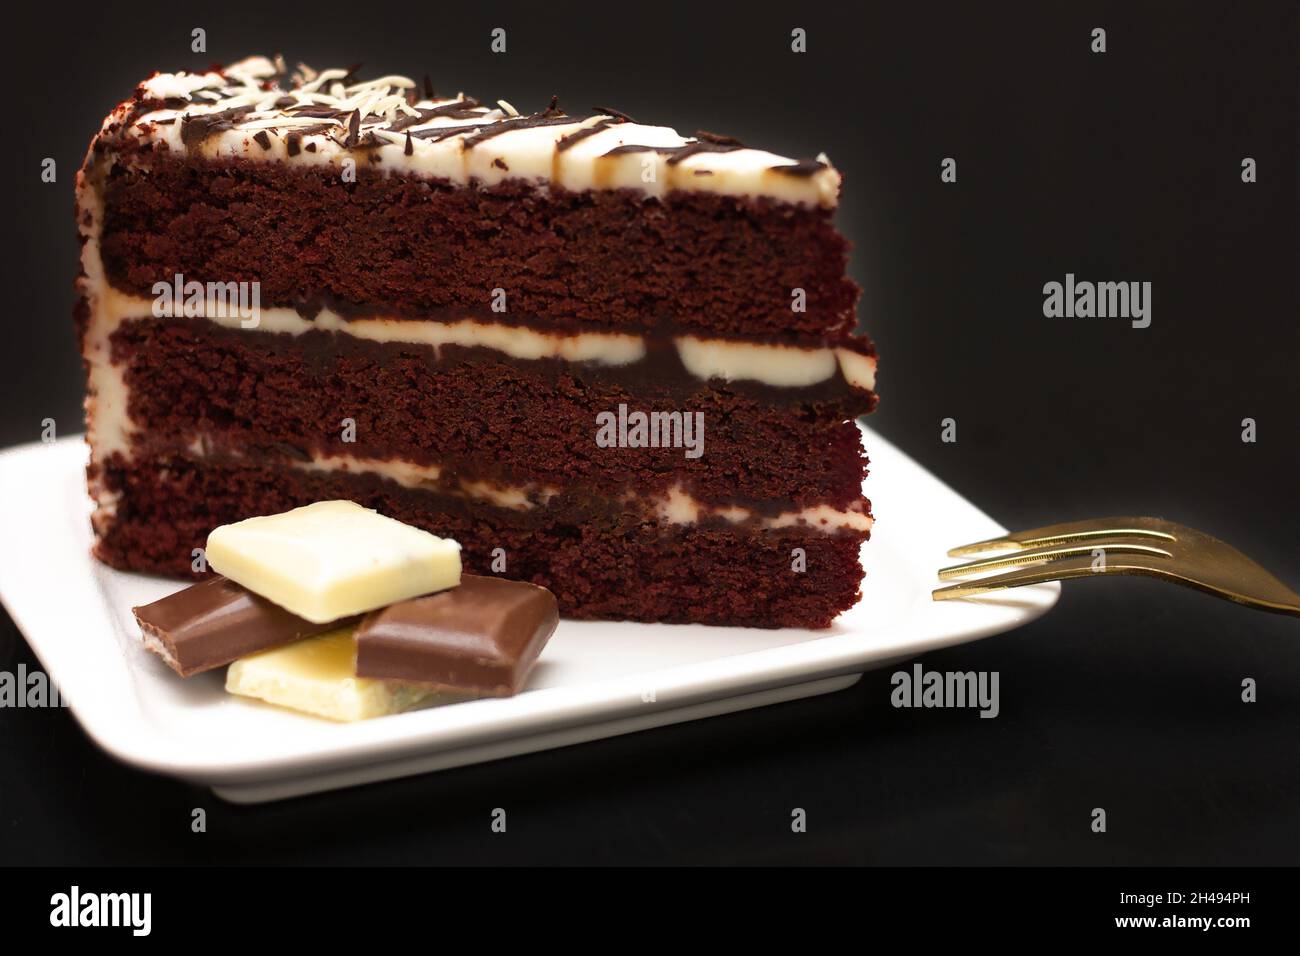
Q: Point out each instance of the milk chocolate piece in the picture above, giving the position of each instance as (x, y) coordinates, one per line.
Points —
(482, 637)
(211, 624)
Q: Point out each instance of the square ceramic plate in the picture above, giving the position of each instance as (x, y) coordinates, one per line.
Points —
(595, 679)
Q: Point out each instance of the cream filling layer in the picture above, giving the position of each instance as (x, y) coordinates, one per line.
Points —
(782, 366)
(677, 507)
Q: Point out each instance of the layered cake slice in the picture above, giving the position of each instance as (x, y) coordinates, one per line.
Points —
(609, 359)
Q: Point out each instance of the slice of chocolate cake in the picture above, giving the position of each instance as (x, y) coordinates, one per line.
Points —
(609, 359)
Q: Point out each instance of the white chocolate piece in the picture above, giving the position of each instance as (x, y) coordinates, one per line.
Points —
(318, 676)
(333, 559)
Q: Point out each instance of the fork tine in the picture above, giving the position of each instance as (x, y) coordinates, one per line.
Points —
(1077, 567)
(1054, 552)
(1068, 531)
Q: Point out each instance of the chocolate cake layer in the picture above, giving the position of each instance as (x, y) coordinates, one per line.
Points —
(481, 417)
(598, 564)
(405, 246)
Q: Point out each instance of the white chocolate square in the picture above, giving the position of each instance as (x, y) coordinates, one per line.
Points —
(318, 676)
(333, 559)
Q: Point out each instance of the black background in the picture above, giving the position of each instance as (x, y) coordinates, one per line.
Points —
(1119, 166)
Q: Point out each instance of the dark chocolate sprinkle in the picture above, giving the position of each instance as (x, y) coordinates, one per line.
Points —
(262, 139)
(407, 150)
(499, 163)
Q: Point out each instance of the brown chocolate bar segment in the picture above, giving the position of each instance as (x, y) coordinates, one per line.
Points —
(482, 637)
(213, 623)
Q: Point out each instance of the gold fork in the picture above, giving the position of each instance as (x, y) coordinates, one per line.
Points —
(1150, 546)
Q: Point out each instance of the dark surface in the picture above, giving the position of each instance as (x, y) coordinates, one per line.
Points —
(1117, 166)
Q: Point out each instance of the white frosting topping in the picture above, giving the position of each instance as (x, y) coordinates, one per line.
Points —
(328, 117)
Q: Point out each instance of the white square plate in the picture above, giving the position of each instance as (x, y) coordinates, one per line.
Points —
(595, 679)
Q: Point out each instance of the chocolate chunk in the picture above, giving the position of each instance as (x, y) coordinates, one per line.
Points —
(482, 637)
(213, 623)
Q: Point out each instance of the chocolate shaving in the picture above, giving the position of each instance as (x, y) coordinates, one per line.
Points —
(195, 129)
(705, 143)
(463, 109)
(803, 169)
(578, 136)
(439, 133)
(676, 154)
(606, 111)
(262, 139)
(351, 76)
(637, 148)
(312, 111)
(519, 122)
(718, 139)
(408, 149)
